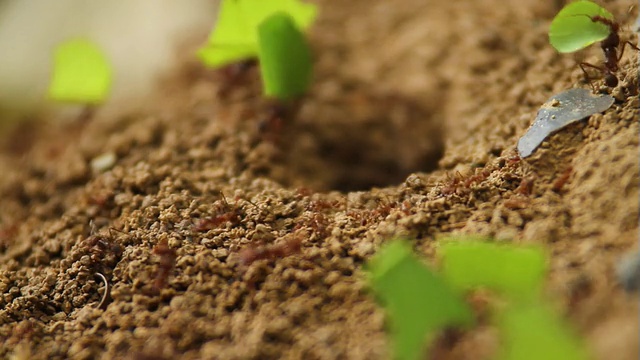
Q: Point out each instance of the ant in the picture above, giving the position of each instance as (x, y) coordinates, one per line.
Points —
(227, 214)
(234, 75)
(561, 180)
(287, 247)
(275, 116)
(526, 186)
(101, 249)
(167, 259)
(610, 49)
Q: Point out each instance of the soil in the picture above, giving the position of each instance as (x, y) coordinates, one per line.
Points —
(224, 233)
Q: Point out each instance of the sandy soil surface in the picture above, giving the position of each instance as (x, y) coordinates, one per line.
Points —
(409, 130)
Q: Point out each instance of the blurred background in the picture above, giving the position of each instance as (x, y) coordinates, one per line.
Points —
(141, 39)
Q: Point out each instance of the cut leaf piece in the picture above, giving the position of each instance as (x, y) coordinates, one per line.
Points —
(517, 272)
(235, 35)
(81, 73)
(232, 39)
(285, 58)
(534, 332)
(572, 29)
(257, 11)
(559, 111)
(417, 301)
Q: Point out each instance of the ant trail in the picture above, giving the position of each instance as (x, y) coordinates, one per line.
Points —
(107, 291)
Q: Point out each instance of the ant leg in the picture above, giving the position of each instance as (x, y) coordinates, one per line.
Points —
(586, 74)
(624, 45)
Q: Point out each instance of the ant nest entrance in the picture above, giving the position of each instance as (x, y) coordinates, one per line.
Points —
(347, 138)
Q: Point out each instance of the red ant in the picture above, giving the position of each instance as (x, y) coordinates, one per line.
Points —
(453, 184)
(167, 261)
(317, 222)
(321, 205)
(514, 204)
(562, 179)
(285, 248)
(526, 186)
(234, 74)
(276, 114)
(100, 248)
(610, 49)
(479, 177)
(230, 214)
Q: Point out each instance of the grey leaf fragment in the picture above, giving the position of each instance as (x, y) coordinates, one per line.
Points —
(559, 111)
(628, 271)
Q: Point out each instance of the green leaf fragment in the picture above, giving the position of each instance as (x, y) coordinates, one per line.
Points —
(81, 73)
(533, 332)
(257, 11)
(285, 58)
(232, 39)
(516, 272)
(417, 302)
(235, 36)
(573, 28)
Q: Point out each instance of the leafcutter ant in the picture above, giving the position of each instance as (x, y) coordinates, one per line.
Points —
(234, 75)
(275, 116)
(290, 246)
(227, 214)
(526, 186)
(561, 180)
(610, 49)
(102, 250)
(167, 259)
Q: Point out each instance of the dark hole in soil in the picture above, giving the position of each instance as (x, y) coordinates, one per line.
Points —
(350, 139)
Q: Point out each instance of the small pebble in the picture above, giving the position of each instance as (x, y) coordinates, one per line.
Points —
(103, 162)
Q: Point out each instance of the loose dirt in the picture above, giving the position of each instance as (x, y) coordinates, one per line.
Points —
(224, 234)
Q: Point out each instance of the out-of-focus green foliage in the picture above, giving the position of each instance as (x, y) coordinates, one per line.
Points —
(285, 57)
(517, 272)
(235, 35)
(81, 73)
(532, 331)
(417, 301)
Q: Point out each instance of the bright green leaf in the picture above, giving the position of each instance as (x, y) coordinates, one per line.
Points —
(572, 29)
(417, 302)
(515, 271)
(235, 35)
(256, 11)
(285, 57)
(534, 332)
(232, 39)
(81, 73)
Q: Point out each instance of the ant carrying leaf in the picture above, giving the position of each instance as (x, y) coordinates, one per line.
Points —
(583, 23)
